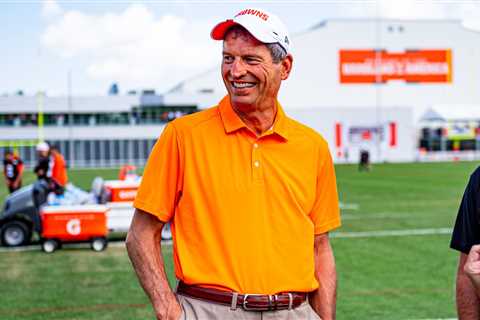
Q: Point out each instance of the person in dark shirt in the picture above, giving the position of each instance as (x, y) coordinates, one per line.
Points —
(43, 162)
(466, 234)
(364, 163)
(12, 171)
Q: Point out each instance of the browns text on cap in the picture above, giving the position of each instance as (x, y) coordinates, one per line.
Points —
(264, 26)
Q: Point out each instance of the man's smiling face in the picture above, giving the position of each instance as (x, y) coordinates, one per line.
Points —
(251, 77)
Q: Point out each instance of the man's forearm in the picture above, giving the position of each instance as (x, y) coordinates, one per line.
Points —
(148, 265)
(144, 250)
(468, 303)
(324, 299)
(468, 306)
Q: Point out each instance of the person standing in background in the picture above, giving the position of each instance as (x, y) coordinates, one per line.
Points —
(12, 170)
(58, 168)
(43, 160)
(465, 239)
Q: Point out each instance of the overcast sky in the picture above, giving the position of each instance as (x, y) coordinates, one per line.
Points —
(155, 44)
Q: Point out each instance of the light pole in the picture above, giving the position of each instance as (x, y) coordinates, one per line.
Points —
(70, 120)
(378, 80)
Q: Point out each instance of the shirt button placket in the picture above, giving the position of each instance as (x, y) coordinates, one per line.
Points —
(256, 161)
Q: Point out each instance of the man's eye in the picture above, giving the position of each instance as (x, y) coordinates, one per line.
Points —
(227, 59)
(252, 60)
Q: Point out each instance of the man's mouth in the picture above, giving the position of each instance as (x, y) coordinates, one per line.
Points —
(241, 85)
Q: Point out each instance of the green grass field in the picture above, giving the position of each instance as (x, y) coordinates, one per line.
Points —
(389, 277)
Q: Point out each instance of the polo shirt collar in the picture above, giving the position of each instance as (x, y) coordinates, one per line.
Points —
(232, 122)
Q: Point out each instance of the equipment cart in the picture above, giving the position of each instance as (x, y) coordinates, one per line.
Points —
(75, 223)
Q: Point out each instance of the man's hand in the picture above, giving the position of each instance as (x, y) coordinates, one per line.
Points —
(472, 266)
(15, 183)
(168, 308)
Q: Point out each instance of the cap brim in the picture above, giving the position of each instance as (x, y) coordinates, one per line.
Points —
(218, 32)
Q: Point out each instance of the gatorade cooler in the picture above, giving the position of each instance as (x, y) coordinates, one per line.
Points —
(74, 223)
(121, 191)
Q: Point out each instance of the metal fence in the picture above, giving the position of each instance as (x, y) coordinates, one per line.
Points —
(94, 153)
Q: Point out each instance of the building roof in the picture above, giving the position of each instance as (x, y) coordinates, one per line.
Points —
(444, 113)
(31, 104)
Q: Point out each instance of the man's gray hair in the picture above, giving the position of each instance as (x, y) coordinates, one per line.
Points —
(277, 52)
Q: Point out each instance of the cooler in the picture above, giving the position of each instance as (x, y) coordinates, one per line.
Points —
(74, 223)
(122, 191)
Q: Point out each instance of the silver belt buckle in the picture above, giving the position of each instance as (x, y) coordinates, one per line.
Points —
(245, 303)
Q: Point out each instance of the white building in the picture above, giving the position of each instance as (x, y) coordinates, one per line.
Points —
(90, 131)
(363, 84)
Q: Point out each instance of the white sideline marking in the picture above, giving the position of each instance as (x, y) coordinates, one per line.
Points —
(381, 215)
(391, 233)
(38, 247)
(362, 234)
(20, 249)
(349, 206)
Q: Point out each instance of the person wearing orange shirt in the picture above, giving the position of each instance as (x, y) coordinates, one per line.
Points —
(250, 194)
(57, 169)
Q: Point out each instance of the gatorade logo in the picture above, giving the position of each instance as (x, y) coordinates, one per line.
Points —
(73, 227)
(253, 12)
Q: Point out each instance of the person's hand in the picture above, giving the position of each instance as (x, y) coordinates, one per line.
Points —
(472, 265)
(170, 309)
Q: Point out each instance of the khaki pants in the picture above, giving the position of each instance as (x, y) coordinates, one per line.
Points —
(195, 309)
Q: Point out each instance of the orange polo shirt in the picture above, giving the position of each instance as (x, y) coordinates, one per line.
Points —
(244, 208)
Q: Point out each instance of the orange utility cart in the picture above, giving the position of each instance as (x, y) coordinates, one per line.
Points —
(74, 223)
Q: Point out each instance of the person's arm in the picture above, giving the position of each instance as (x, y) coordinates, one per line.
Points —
(324, 299)
(144, 250)
(468, 303)
(17, 181)
(7, 182)
(466, 233)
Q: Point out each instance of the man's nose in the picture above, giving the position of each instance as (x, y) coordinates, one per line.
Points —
(238, 68)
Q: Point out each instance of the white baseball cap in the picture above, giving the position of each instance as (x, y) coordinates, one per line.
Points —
(264, 26)
(42, 146)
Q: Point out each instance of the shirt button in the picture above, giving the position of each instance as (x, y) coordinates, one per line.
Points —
(257, 164)
(255, 145)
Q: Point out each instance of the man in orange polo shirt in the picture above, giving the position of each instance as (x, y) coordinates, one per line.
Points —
(250, 194)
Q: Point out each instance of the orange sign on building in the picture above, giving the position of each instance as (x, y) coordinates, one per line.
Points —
(418, 66)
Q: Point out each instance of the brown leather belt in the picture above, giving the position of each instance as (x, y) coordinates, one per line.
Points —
(250, 302)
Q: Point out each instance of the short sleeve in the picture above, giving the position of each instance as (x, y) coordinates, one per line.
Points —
(325, 213)
(466, 232)
(161, 184)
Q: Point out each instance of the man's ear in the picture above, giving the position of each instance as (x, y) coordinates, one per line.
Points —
(287, 64)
